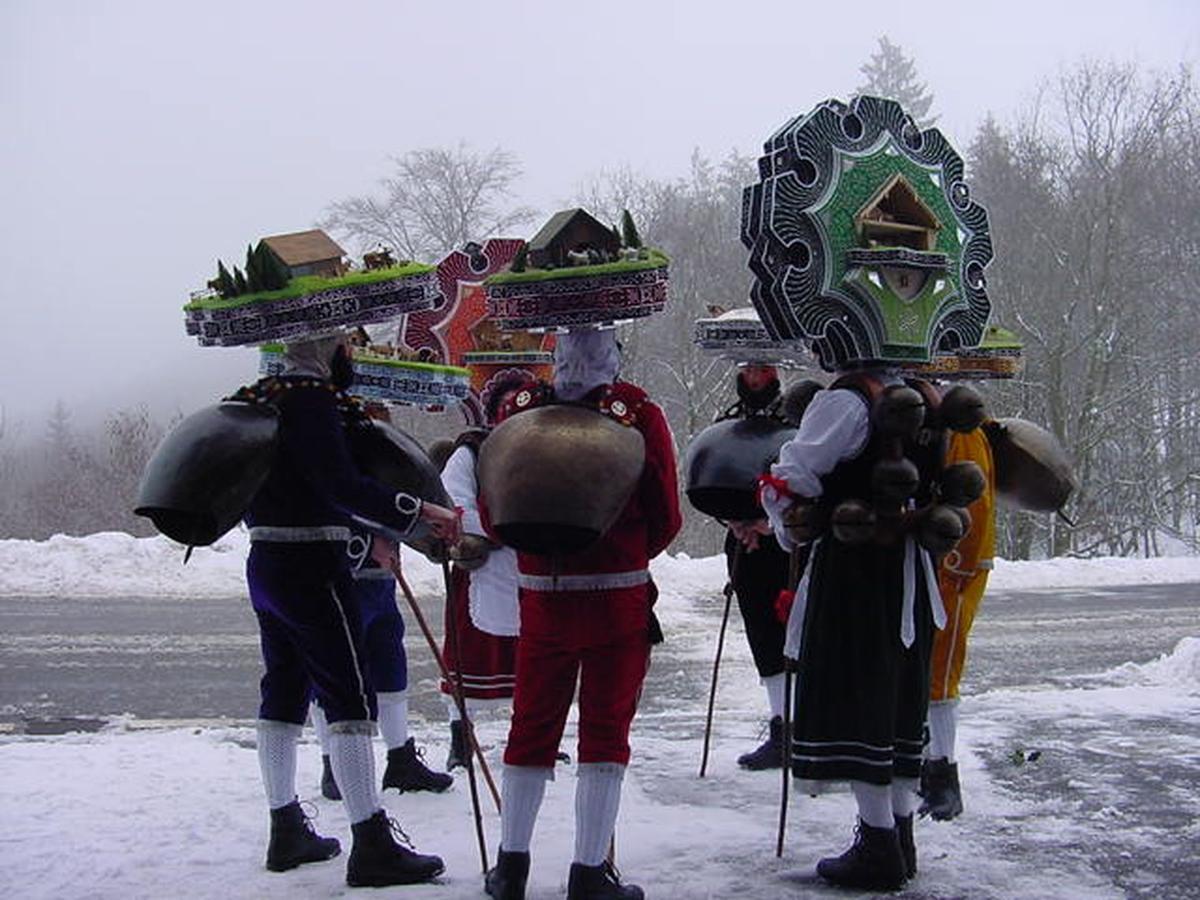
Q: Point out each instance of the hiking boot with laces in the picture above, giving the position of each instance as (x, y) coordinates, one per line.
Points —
(294, 842)
(941, 797)
(406, 771)
(329, 788)
(506, 880)
(601, 882)
(873, 862)
(769, 754)
(377, 859)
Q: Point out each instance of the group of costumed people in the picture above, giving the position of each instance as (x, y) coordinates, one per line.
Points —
(859, 514)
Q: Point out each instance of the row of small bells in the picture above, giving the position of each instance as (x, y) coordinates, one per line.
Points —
(897, 416)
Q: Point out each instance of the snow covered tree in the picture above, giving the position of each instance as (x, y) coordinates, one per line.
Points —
(893, 75)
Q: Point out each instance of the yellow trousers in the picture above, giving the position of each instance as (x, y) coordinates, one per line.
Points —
(961, 596)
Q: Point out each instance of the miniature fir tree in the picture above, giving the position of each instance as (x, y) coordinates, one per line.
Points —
(617, 234)
(519, 261)
(225, 283)
(273, 275)
(893, 75)
(253, 272)
(239, 280)
(629, 232)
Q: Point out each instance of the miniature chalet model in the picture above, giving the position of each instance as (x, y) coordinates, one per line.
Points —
(307, 253)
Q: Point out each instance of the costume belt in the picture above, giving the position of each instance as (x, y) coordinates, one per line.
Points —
(305, 534)
(600, 581)
(371, 573)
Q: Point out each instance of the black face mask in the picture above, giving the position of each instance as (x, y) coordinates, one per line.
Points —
(341, 370)
(759, 399)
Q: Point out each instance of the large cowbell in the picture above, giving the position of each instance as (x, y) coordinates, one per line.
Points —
(555, 478)
(386, 454)
(724, 462)
(1032, 469)
(205, 472)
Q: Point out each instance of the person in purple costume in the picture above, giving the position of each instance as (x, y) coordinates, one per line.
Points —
(309, 620)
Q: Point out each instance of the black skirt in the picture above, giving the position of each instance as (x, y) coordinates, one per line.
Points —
(861, 696)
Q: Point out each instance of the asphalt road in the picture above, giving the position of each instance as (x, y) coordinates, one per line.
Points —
(199, 659)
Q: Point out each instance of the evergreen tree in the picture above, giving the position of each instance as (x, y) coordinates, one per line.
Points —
(519, 261)
(273, 274)
(617, 234)
(225, 283)
(254, 275)
(629, 231)
(239, 280)
(893, 75)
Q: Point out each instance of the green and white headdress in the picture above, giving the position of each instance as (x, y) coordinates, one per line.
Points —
(864, 240)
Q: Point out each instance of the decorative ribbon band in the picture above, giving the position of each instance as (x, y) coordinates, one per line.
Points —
(777, 484)
(600, 581)
(285, 534)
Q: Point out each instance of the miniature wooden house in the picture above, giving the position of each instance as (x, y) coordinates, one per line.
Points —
(571, 231)
(896, 217)
(307, 253)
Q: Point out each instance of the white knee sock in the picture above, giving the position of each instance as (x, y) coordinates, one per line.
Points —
(904, 796)
(393, 718)
(520, 799)
(353, 760)
(774, 685)
(874, 803)
(943, 729)
(597, 799)
(320, 726)
(277, 760)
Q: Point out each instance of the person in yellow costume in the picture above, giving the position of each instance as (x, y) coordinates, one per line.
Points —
(962, 578)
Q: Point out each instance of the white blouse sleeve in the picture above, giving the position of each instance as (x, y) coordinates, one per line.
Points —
(835, 427)
(458, 477)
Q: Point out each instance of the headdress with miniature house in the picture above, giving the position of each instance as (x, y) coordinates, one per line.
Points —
(577, 272)
(297, 285)
(864, 240)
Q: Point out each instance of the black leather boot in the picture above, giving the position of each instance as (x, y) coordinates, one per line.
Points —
(599, 883)
(873, 862)
(293, 841)
(329, 788)
(941, 796)
(908, 846)
(768, 755)
(506, 880)
(406, 771)
(460, 754)
(377, 860)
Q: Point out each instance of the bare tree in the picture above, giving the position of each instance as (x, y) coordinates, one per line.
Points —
(434, 200)
(1094, 203)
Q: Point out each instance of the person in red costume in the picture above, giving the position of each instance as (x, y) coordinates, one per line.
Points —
(587, 618)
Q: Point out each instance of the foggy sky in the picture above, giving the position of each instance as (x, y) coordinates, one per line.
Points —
(140, 141)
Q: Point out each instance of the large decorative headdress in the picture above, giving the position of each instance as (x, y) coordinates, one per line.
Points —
(578, 273)
(297, 285)
(738, 335)
(864, 240)
(459, 331)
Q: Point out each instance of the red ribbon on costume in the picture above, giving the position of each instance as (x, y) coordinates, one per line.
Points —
(773, 481)
(783, 605)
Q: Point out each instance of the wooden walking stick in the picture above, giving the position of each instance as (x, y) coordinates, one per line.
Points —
(445, 670)
(712, 691)
(794, 572)
(462, 707)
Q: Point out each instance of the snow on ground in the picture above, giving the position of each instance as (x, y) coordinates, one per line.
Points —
(136, 811)
(114, 564)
